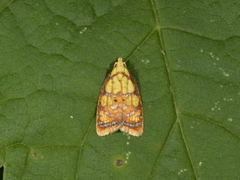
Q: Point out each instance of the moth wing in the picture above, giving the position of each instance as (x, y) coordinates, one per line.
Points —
(119, 103)
(108, 120)
(133, 113)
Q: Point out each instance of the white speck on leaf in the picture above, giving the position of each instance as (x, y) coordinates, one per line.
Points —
(230, 119)
(83, 30)
(200, 163)
(128, 155)
(145, 61)
(181, 171)
(71, 116)
(216, 106)
(214, 57)
(163, 52)
(211, 54)
(224, 72)
(228, 99)
(201, 51)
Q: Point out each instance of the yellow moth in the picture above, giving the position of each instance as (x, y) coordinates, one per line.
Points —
(119, 103)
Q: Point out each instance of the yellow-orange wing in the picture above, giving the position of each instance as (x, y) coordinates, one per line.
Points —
(108, 118)
(119, 103)
(132, 111)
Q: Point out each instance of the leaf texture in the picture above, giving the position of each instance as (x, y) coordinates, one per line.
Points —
(54, 56)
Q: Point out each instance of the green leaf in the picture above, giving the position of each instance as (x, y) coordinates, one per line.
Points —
(54, 56)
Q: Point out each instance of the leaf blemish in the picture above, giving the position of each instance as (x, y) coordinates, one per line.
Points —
(181, 171)
(216, 106)
(83, 30)
(211, 55)
(128, 154)
(230, 119)
(228, 99)
(119, 162)
(145, 61)
(163, 52)
(224, 72)
(37, 155)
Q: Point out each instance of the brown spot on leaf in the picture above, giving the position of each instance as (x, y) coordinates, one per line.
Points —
(119, 162)
(34, 154)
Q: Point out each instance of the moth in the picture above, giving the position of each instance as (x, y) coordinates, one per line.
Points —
(119, 103)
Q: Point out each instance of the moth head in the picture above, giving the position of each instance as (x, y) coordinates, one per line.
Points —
(119, 67)
(120, 63)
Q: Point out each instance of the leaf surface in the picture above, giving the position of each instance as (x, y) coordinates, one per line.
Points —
(54, 56)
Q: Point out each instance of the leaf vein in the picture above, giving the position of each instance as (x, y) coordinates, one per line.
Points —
(211, 121)
(137, 47)
(161, 149)
(170, 82)
(83, 140)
